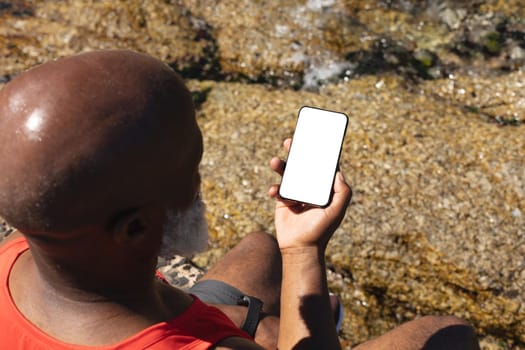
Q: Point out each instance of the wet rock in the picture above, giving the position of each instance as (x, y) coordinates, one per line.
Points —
(489, 40)
(281, 41)
(310, 43)
(413, 25)
(453, 18)
(480, 34)
(55, 29)
(388, 56)
(16, 8)
(517, 53)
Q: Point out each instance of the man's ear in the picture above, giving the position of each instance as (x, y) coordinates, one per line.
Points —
(129, 227)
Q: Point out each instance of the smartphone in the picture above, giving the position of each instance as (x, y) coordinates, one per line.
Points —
(314, 156)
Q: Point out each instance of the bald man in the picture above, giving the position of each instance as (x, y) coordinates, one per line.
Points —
(99, 157)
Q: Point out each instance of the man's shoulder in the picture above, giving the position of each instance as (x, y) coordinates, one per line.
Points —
(11, 237)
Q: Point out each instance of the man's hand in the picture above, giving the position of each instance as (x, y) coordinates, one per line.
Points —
(299, 225)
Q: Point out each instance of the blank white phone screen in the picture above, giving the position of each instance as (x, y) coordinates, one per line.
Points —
(314, 154)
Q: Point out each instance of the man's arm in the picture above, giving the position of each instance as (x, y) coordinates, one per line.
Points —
(303, 233)
(306, 317)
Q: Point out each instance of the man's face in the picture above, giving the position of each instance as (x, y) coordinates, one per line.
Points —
(185, 232)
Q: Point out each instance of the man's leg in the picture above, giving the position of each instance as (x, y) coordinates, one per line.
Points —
(254, 267)
(427, 333)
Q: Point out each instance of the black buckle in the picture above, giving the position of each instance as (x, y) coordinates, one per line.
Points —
(253, 315)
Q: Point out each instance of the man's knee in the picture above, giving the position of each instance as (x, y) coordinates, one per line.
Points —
(450, 332)
(262, 240)
(428, 333)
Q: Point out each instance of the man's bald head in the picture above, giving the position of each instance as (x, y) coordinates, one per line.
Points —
(86, 137)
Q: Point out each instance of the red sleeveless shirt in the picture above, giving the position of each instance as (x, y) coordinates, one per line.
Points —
(199, 327)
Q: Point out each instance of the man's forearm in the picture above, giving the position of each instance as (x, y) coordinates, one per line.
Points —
(306, 318)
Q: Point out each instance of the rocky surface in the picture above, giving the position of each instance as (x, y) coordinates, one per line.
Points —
(436, 224)
(435, 148)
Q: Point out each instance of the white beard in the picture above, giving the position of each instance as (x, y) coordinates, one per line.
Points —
(185, 232)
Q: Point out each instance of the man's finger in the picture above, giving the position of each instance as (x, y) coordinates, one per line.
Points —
(342, 194)
(277, 165)
(274, 191)
(286, 144)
